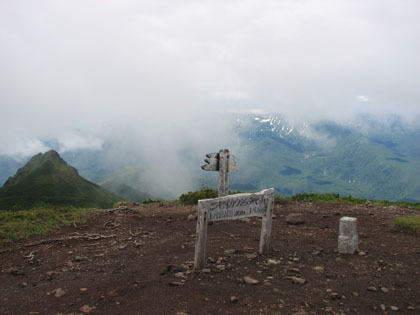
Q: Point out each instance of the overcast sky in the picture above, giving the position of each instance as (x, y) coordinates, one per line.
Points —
(74, 65)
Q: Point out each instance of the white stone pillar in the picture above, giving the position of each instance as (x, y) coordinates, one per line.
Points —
(348, 240)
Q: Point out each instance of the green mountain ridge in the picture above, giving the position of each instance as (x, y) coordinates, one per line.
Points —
(48, 180)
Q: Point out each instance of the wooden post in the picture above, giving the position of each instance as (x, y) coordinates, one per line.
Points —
(201, 237)
(266, 223)
(223, 173)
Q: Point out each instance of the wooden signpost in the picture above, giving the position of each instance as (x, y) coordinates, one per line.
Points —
(231, 208)
(223, 162)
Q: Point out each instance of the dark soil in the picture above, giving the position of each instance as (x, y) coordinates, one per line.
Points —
(139, 261)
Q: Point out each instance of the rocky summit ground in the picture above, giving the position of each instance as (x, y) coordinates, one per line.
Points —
(139, 261)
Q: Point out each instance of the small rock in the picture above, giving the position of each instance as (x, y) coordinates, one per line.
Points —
(122, 247)
(383, 307)
(229, 251)
(176, 284)
(411, 308)
(371, 288)
(251, 281)
(355, 294)
(233, 299)
(361, 253)
(295, 219)
(16, 272)
(297, 280)
(251, 256)
(50, 275)
(59, 292)
(191, 217)
(394, 308)
(318, 269)
(334, 296)
(273, 262)
(83, 290)
(221, 267)
(24, 284)
(384, 290)
(87, 309)
(206, 270)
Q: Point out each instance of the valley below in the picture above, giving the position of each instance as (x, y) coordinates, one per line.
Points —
(139, 260)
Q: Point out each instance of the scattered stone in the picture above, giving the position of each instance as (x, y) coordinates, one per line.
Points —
(122, 247)
(334, 296)
(59, 292)
(246, 220)
(384, 289)
(273, 262)
(251, 281)
(176, 284)
(206, 270)
(361, 253)
(16, 272)
(394, 308)
(24, 284)
(369, 204)
(355, 294)
(383, 307)
(411, 308)
(229, 251)
(78, 258)
(191, 217)
(295, 219)
(371, 288)
(87, 309)
(294, 270)
(297, 280)
(251, 256)
(234, 299)
(50, 275)
(221, 267)
(83, 290)
(318, 269)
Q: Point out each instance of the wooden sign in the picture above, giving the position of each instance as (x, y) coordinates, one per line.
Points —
(223, 162)
(231, 208)
(212, 162)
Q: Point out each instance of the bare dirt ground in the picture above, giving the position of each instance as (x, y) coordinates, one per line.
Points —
(139, 261)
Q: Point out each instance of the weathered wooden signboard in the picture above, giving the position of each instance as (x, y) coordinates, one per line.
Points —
(223, 162)
(231, 208)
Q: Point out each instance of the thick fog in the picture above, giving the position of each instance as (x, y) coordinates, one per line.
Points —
(161, 75)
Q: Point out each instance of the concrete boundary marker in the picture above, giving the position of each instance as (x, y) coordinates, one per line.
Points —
(231, 208)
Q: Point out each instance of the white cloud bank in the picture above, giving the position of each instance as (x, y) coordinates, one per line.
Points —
(155, 66)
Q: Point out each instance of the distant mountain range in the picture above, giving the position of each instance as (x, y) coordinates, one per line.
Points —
(367, 158)
(48, 180)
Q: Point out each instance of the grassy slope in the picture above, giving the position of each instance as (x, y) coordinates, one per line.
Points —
(50, 180)
(20, 224)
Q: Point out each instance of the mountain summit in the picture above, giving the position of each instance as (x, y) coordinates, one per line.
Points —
(48, 179)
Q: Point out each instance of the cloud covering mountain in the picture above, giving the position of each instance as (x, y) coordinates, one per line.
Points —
(160, 80)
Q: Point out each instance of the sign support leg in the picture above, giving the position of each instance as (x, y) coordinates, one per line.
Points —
(201, 238)
(266, 224)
